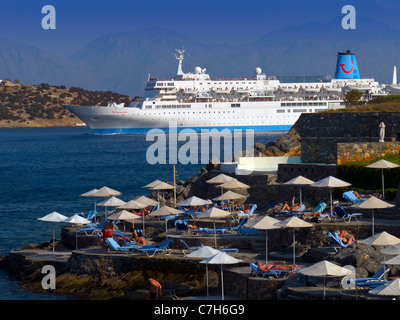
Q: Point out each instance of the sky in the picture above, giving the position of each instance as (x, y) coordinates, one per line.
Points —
(208, 21)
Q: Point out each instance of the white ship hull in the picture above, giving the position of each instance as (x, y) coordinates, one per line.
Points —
(195, 101)
(259, 116)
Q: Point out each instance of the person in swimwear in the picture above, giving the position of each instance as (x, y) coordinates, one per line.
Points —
(155, 289)
(295, 206)
(108, 230)
(346, 237)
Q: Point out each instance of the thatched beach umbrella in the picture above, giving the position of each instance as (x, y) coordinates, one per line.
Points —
(266, 223)
(391, 288)
(204, 252)
(134, 205)
(373, 203)
(294, 223)
(330, 182)
(299, 181)
(54, 217)
(90, 194)
(221, 258)
(161, 186)
(214, 213)
(165, 211)
(124, 215)
(77, 219)
(325, 268)
(383, 164)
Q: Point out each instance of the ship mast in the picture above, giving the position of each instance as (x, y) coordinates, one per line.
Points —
(180, 59)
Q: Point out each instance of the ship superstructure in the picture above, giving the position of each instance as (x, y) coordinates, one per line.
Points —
(194, 100)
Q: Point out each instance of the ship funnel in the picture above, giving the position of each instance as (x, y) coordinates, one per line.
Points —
(394, 75)
(346, 67)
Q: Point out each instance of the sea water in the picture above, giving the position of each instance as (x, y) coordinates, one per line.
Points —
(46, 169)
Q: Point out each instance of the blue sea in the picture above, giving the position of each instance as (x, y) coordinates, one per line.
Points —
(46, 169)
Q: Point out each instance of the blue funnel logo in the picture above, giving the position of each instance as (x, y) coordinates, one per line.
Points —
(346, 67)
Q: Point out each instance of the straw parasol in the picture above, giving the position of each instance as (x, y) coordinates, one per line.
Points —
(91, 195)
(382, 164)
(330, 182)
(124, 215)
(294, 223)
(134, 205)
(221, 178)
(266, 223)
(106, 192)
(161, 186)
(221, 258)
(77, 219)
(152, 184)
(204, 252)
(146, 200)
(234, 184)
(214, 213)
(392, 250)
(229, 195)
(373, 203)
(193, 201)
(54, 217)
(299, 181)
(381, 239)
(325, 268)
(111, 202)
(391, 288)
(165, 211)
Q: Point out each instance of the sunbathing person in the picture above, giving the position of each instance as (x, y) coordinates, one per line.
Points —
(141, 240)
(294, 208)
(268, 267)
(346, 237)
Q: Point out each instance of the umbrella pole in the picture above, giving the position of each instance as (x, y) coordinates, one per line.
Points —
(54, 235)
(373, 223)
(207, 278)
(215, 236)
(222, 282)
(324, 286)
(294, 247)
(266, 246)
(383, 185)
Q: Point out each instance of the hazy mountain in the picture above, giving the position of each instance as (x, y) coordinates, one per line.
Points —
(31, 65)
(121, 62)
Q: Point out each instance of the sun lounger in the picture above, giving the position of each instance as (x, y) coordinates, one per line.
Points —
(298, 212)
(339, 213)
(241, 230)
(249, 215)
(275, 270)
(225, 249)
(255, 270)
(188, 248)
(318, 212)
(181, 225)
(374, 280)
(335, 239)
(115, 246)
(93, 228)
(161, 248)
(350, 196)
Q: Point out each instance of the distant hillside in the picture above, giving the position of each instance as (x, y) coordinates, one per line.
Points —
(41, 105)
(121, 62)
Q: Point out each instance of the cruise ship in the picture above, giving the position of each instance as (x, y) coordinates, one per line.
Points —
(196, 101)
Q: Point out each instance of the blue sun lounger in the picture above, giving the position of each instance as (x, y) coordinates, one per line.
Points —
(115, 246)
(375, 280)
(350, 196)
(258, 273)
(188, 248)
(339, 213)
(335, 239)
(161, 248)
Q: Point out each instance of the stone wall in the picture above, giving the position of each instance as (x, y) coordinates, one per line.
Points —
(321, 132)
(365, 151)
